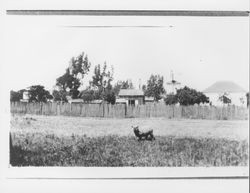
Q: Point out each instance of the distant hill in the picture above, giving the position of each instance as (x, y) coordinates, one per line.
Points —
(224, 86)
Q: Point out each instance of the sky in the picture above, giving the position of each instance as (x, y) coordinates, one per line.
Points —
(199, 50)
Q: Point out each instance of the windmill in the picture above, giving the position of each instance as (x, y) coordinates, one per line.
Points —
(173, 82)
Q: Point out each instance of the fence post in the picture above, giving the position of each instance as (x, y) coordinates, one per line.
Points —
(125, 110)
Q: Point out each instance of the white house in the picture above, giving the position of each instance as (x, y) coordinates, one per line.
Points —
(233, 91)
(26, 96)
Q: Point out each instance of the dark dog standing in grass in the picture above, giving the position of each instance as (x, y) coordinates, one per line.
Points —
(143, 135)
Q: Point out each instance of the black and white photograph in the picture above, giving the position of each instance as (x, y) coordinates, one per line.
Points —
(131, 90)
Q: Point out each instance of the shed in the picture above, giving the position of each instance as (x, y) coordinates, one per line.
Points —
(132, 96)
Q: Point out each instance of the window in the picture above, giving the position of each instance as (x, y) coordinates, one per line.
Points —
(131, 102)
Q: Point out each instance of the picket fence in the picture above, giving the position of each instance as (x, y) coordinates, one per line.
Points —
(124, 111)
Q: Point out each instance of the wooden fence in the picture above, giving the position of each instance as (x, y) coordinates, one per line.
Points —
(123, 111)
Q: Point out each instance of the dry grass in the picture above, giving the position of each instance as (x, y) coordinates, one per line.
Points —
(49, 150)
(74, 141)
(94, 127)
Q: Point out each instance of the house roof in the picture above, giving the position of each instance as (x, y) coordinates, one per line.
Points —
(96, 101)
(76, 101)
(131, 92)
(224, 86)
(120, 100)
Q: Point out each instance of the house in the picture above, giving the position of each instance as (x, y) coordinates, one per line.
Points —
(233, 91)
(26, 96)
(132, 96)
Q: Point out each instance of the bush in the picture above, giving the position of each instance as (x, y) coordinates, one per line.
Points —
(188, 96)
(171, 99)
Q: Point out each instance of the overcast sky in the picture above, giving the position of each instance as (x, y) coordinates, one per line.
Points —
(199, 50)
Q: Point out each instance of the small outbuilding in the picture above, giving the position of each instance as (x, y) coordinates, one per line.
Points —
(131, 96)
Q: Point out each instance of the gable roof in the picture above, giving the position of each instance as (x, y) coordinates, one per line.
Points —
(131, 92)
(224, 86)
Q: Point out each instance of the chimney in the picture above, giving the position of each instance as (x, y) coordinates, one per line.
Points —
(139, 83)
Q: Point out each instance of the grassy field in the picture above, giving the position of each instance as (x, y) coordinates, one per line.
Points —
(75, 141)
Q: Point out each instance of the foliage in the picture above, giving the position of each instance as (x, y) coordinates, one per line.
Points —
(37, 149)
(188, 96)
(37, 93)
(122, 85)
(101, 83)
(71, 79)
(16, 96)
(247, 95)
(225, 99)
(154, 87)
(171, 99)
(109, 96)
(88, 95)
(102, 78)
(59, 95)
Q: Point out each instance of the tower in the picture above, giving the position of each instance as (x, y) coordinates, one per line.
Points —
(173, 83)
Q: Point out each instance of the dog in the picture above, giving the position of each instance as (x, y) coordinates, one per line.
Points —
(143, 135)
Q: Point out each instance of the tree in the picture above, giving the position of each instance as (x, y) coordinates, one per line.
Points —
(89, 94)
(122, 85)
(37, 93)
(16, 96)
(59, 95)
(109, 96)
(101, 82)
(188, 96)
(247, 95)
(71, 80)
(171, 99)
(154, 87)
(225, 99)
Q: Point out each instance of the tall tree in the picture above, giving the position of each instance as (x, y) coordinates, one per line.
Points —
(101, 81)
(154, 87)
(72, 79)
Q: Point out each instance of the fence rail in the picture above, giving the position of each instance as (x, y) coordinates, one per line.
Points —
(123, 111)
